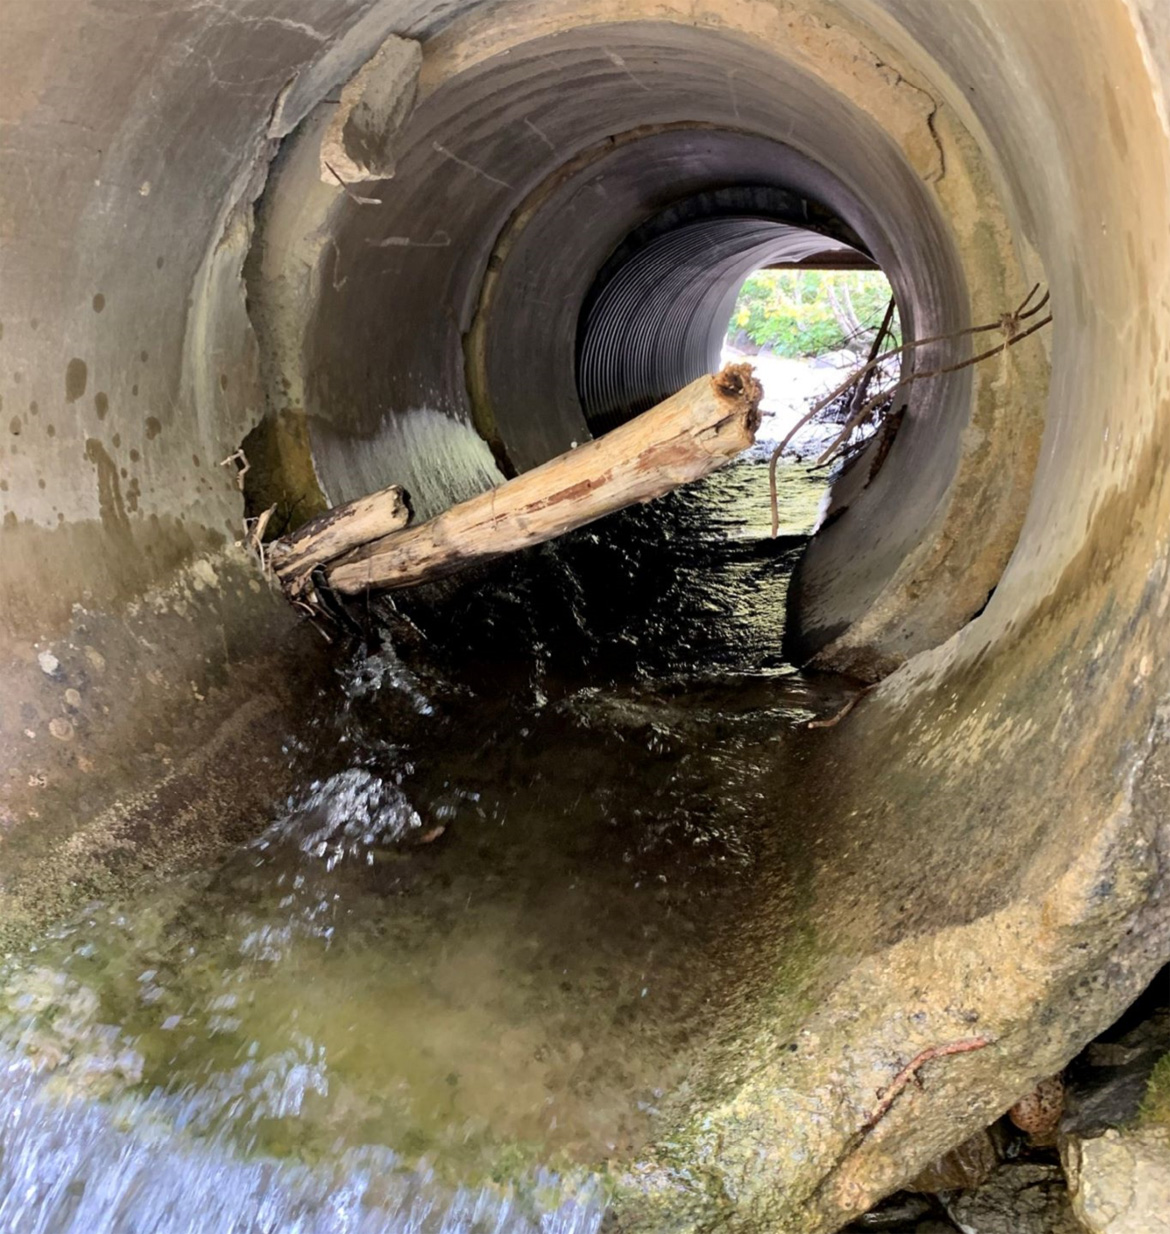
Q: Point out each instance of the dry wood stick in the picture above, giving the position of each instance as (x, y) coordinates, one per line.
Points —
(681, 440)
(836, 718)
(293, 558)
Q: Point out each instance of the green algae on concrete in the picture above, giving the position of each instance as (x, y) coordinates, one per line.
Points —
(1155, 1108)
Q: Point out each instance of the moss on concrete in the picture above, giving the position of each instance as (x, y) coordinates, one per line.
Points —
(281, 472)
(1155, 1110)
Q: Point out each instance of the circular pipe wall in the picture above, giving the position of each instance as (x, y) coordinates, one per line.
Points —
(982, 848)
(657, 320)
(570, 232)
(491, 235)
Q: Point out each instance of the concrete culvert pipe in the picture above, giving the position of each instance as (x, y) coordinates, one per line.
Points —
(397, 241)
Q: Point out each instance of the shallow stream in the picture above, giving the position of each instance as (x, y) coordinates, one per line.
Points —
(482, 949)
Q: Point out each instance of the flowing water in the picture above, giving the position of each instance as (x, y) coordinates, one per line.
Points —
(475, 955)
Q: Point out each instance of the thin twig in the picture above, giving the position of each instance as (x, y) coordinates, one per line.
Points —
(863, 385)
(878, 399)
(312, 613)
(910, 1072)
(355, 197)
(835, 719)
(254, 529)
(240, 460)
(1022, 316)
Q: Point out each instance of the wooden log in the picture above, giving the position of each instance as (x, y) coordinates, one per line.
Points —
(681, 440)
(293, 558)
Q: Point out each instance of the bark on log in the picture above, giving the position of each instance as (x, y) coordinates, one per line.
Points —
(293, 558)
(681, 440)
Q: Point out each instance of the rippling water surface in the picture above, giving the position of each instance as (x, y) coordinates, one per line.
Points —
(479, 952)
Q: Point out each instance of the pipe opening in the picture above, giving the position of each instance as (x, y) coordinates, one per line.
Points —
(585, 779)
(657, 312)
(565, 233)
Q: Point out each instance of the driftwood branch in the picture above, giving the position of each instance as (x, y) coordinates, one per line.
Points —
(293, 558)
(836, 718)
(681, 440)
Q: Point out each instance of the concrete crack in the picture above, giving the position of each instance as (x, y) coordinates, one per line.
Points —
(942, 158)
(734, 93)
(479, 171)
(614, 58)
(528, 123)
(900, 81)
(286, 23)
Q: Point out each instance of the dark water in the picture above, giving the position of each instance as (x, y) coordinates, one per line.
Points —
(474, 957)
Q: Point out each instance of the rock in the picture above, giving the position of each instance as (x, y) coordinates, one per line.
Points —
(1019, 1198)
(1109, 1098)
(1120, 1182)
(968, 1166)
(1039, 1112)
(1107, 1084)
(1149, 1036)
(899, 1212)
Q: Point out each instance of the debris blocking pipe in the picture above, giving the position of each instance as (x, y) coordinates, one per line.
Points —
(682, 439)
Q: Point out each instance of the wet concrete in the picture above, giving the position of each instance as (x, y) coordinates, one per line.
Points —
(481, 948)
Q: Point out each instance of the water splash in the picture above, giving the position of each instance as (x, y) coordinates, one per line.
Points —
(348, 814)
(74, 1167)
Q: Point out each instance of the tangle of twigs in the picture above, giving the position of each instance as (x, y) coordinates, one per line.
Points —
(1008, 324)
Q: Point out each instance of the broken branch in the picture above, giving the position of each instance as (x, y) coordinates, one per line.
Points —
(836, 718)
(254, 529)
(677, 442)
(878, 399)
(1008, 324)
(293, 558)
(863, 385)
(239, 461)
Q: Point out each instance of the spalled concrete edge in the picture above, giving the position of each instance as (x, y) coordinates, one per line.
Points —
(359, 143)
